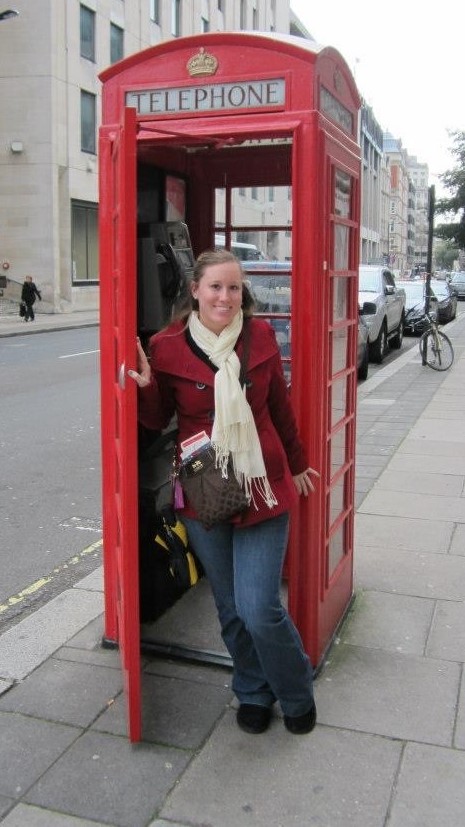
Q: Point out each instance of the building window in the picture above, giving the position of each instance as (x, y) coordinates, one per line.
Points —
(155, 11)
(84, 242)
(88, 122)
(116, 43)
(220, 5)
(204, 25)
(243, 15)
(176, 18)
(87, 33)
(255, 20)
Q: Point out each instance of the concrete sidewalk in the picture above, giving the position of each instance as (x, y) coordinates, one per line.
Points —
(389, 747)
(15, 326)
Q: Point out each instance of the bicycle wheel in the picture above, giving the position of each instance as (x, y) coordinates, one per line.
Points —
(437, 350)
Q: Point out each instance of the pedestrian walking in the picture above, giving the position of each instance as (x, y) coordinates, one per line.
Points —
(29, 293)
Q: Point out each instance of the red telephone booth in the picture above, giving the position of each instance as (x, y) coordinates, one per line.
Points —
(189, 127)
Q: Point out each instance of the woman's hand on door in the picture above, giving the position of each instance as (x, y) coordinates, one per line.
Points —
(143, 374)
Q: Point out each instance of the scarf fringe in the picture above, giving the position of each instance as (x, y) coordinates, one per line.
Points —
(260, 484)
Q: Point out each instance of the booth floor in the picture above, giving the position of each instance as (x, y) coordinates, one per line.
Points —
(389, 746)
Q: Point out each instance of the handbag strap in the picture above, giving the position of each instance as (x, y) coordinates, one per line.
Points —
(244, 356)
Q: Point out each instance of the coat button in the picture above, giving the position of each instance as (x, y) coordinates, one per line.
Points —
(200, 386)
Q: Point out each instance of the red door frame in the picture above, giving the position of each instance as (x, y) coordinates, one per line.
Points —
(119, 403)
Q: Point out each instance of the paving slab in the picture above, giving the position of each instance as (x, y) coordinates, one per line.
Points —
(28, 747)
(430, 463)
(439, 576)
(5, 804)
(430, 789)
(421, 506)
(458, 541)
(396, 695)
(174, 712)
(70, 693)
(447, 636)
(459, 740)
(29, 643)
(436, 430)
(392, 622)
(420, 446)
(331, 777)
(125, 784)
(26, 815)
(402, 533)
(423, 482)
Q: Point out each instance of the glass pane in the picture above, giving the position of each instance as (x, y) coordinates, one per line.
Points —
(338, 400)
(272, 294)
(261, 206)
(336, 548)
(92, 245)
(79, 243)
(337, 451)
(342, 187)
(341, 247)
(339, 341)
(339, 299)
(282, 328)
(336, 500)
(87, 33)
(88, 122)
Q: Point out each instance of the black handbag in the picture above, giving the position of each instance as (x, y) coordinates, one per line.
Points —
(22, 309)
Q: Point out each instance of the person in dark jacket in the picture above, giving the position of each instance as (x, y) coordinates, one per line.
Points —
(255, 427)
(28, 296)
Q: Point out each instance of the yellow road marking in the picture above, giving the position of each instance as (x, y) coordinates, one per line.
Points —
(35, 587)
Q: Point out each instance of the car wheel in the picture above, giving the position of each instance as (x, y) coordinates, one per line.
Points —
(378, 347)
(396, 341)
(362, 372)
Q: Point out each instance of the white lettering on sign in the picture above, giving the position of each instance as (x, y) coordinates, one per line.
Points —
(211, 97)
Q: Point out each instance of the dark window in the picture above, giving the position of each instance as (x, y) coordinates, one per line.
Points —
(84, 242)
(87, 33)
(175, 18)
(155, 11)
(116, 43)
(88, 122)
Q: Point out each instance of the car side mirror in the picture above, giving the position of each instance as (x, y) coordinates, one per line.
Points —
(389, 290)
(368, 309)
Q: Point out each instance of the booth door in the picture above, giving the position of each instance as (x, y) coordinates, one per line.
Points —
(119, 403)
(341, 379)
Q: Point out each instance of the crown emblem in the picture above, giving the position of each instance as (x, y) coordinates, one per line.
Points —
(202, 64)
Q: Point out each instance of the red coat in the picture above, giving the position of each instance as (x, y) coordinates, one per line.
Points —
(183, 384)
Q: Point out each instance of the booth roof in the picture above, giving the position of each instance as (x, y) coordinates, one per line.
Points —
(311, 47)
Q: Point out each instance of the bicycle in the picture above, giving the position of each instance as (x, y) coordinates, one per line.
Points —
(435, 347)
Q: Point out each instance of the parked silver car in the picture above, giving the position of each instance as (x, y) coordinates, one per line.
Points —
(457, 284)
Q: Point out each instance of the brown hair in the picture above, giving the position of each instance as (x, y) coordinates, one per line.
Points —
(207, 259)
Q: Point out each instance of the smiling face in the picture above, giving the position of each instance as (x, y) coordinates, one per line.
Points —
(219, 294)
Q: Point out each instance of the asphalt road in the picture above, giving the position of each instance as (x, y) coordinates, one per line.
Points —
(50, 504)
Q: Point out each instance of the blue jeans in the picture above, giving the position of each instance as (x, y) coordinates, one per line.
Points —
(244, 567)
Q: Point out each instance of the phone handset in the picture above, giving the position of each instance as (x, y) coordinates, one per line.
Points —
(174, 282)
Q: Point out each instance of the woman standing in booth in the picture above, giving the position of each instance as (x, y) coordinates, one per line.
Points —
(194, 373)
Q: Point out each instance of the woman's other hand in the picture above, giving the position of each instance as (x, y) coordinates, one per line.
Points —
(142, 377)
(303, 482)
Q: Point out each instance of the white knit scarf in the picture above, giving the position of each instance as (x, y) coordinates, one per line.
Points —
(234, 433)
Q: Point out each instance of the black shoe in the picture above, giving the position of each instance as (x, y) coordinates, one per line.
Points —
(253, 719)
(301, 724)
